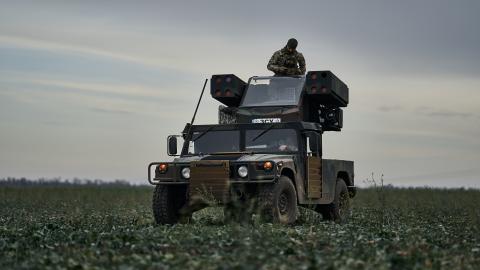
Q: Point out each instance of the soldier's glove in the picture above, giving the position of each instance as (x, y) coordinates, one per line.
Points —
(290, 64)
(293, 71)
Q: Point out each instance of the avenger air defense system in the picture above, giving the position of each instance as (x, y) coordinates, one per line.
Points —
(264, 156)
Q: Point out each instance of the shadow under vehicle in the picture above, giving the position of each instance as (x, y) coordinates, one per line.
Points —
(264, 156)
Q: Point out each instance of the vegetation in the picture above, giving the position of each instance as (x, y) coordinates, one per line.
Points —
(91, 226)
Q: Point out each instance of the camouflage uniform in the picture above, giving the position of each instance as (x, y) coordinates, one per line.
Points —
(284, 63)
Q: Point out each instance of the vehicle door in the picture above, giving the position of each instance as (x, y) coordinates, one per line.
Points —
(313, 165)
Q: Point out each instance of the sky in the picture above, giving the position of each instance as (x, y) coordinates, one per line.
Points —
(91, 89)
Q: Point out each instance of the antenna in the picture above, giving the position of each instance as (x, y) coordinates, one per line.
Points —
(198, 103)
(189, 125)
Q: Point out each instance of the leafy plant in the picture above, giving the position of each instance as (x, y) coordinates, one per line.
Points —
(96, 227)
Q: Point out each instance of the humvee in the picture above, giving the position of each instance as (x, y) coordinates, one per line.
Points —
(264, 156)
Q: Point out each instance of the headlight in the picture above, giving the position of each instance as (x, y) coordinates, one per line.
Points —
(186, 173)
(243, 171)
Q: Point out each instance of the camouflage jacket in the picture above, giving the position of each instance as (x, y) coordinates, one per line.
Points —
(284, 63)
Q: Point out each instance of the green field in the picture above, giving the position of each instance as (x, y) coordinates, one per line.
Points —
(88, 227)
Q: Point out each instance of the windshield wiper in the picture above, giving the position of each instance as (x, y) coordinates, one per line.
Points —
(263, 132)
(203, 133)
(231, 153)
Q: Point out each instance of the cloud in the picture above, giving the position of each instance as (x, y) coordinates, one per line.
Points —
(391, 108)
(124, 90)
(30, 43)
(44, 98)
(134, 62)
(446, 113)
(408, 38)
(55, 123)
(443, 113)
(111, 111)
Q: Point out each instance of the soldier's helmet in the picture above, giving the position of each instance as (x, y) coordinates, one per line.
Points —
(292, 43)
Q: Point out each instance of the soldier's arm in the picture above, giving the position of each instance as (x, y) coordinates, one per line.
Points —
(293, 71)
(301, 64)
(273, 64)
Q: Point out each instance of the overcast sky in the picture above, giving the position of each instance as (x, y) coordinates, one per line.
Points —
(91, 89)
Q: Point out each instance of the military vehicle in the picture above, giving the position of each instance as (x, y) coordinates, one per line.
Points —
(264, 156)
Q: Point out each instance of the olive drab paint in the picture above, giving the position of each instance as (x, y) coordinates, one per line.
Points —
(231, 169)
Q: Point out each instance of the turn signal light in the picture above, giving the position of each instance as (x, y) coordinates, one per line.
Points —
(267, 165)
(163, 167)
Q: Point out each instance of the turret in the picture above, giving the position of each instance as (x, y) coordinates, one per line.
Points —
(316, 97)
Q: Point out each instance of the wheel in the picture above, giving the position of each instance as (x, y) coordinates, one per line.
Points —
(278, 202)
(339, 209)
(167, 202)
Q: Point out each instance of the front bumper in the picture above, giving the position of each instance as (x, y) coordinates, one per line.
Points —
(174, 176)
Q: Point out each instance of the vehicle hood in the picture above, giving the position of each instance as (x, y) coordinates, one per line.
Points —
(236, 157)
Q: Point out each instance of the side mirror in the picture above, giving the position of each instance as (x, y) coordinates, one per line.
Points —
(172, 145)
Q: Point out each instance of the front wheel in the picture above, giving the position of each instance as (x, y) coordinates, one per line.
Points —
(167, 202)
(278, 202)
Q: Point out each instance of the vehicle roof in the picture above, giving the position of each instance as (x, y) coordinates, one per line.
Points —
(272, 77)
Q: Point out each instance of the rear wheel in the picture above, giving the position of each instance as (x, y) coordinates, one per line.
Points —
(278, 202)
(339, 209)
(167, 202)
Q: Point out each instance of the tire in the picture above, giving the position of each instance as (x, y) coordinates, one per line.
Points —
(278, 202)
(167, 202)
(339, 209)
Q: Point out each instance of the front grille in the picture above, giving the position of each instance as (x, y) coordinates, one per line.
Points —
(210, 180)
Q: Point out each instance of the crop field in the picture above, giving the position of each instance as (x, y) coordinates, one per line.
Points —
(93, 227)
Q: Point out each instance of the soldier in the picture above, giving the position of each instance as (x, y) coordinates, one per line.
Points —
(287, 144)
(287, 61)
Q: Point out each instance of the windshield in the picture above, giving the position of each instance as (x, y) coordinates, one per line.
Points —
(273, 91)
(214, 141)
(274, 140)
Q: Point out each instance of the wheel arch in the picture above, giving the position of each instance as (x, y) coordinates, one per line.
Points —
(344, 175)
(288, 172)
